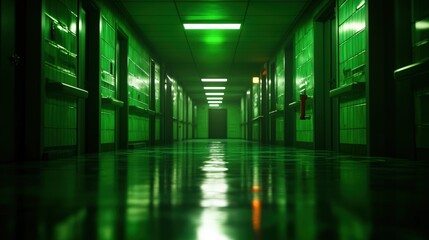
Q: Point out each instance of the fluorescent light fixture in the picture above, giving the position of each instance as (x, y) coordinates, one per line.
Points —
(214, 105)
(214, 94)
(214, 101)
(255, 80)
(208, 26)
(214, 88)
(214, 79)
(422, 25)
(215, 98)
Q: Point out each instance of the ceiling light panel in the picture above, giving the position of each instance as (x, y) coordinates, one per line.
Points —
(212, 26)
(214, 88)
(214, 94)
(214, 80)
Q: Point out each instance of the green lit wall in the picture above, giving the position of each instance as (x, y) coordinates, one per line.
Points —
(180, 113)
(157, 86)
(352, 68)
(108, 84)
(280, 94)
(304, 78)
(60, 65)
(174, 97)
(190, 121)
(138, 90)
(233, 120)
(243, 118)
(202, 121)
(256, 104)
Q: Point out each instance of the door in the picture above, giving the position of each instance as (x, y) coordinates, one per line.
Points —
(325, 80)
(9, 60)
(122, 78)
(92, 78)
(217, 124)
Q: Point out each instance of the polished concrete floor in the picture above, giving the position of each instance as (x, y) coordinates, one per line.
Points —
(215, 190)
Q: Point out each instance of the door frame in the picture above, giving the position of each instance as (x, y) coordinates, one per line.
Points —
(121, 128)
(326, 111)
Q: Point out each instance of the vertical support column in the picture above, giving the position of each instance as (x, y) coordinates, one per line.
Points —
(29, 23)
(168, 113)
(162, 94)
(249, 114)
(404, 102)
(152, 103)
(290, 129)
(264, 108)
(122, 80)
(10, 136)
(380, 84)
(92, 77)
(272, 103)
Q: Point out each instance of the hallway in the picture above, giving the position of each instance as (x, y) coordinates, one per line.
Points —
(215, 189)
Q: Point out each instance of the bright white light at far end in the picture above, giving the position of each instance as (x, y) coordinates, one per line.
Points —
(214, 88)
(214, 79)
(214, 94)
(208, 26)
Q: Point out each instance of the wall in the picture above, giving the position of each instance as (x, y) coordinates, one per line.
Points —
(304, 79)
(280, 95)
(352, 68)
(59, 49)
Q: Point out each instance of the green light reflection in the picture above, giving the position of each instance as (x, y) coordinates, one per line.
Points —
(214, 188)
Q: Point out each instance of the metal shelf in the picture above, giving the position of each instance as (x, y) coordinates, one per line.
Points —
(112, 102)
(347, 89)
(66, 89)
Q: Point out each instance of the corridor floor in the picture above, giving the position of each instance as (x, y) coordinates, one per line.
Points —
(204, 189)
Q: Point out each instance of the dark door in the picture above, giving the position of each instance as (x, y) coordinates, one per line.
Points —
(325, 108)
(122, 76)
(92, 77)
(9, 60)
(217, 123)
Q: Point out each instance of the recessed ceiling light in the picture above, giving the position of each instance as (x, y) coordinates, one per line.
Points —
(214, 101)
(214, 88)
(208, 26)
(215, 98)
(214, 79)
(214, 105)
(214, 94)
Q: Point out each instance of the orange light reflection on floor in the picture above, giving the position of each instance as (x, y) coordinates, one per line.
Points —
(256, 214)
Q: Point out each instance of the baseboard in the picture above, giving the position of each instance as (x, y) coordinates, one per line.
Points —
(305, 145)
(353, 149)
(50, 153)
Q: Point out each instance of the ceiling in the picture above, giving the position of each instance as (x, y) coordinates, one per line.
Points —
(237, 55)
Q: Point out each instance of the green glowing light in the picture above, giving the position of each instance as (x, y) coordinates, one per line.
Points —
(209, 26)
(214, 88)
(214, 94)
(213, 80)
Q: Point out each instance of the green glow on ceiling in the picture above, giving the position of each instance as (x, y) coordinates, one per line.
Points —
(214, 39)
(211, 26)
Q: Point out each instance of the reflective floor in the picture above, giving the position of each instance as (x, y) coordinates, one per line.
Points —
(215, 190)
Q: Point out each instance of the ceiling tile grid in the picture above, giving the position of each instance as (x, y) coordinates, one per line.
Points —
(235, 54)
